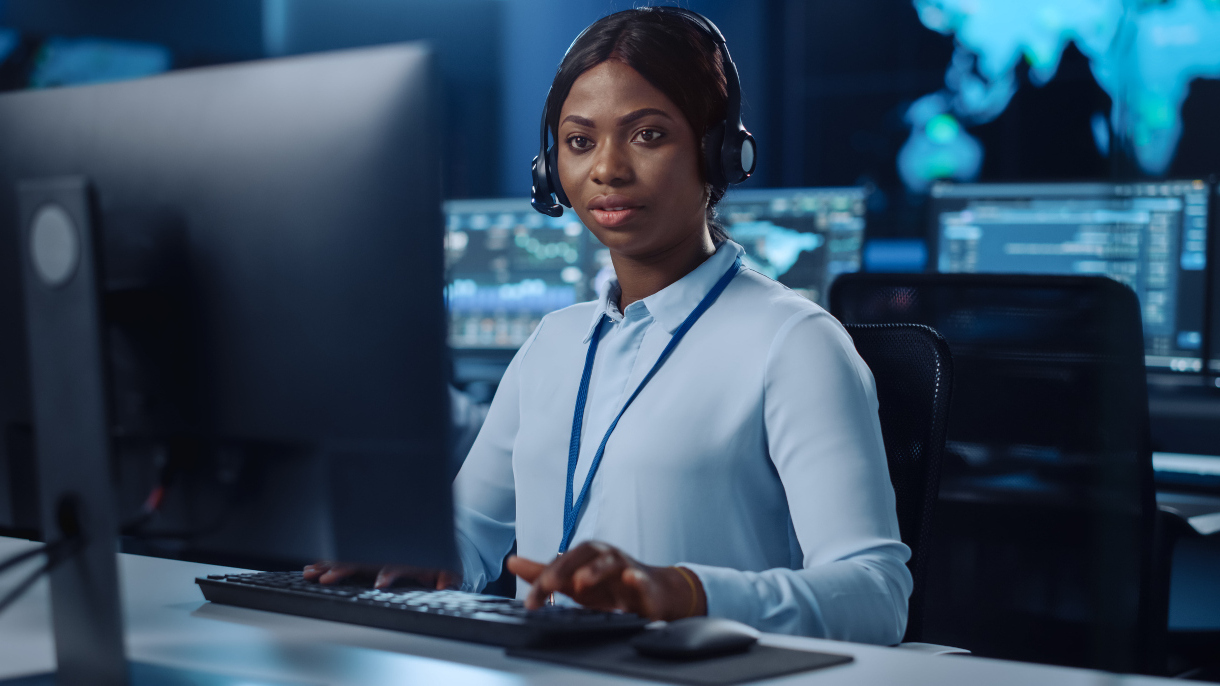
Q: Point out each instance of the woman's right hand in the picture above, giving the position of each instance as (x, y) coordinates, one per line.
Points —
(334, 572)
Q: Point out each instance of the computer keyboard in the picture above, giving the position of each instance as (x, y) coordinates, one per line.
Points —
(448, 614)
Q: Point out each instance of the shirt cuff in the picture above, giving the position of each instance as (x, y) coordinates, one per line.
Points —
(729, 592)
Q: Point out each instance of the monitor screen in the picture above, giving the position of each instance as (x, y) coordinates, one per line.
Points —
(508, 266)
(801, 237)
(1149, 236)
(1213, 362)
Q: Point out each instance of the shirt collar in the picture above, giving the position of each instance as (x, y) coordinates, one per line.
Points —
(671, 305)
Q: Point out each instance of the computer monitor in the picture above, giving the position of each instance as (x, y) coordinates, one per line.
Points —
(1213, 362)
(508, 266)
(271, 245)
(1149, 236)
(801, 237)
(18, 502)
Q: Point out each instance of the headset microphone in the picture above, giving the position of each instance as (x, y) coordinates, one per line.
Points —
(728, 148)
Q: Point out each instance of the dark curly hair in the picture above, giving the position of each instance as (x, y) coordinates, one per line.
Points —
(670, 52)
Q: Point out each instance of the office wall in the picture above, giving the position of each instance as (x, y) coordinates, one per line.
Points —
(468, 38)
(465, 33)
(198, 32)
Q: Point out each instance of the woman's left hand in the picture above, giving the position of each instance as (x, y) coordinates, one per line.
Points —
(603, 577)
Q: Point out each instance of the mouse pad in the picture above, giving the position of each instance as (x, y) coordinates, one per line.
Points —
(760, 662)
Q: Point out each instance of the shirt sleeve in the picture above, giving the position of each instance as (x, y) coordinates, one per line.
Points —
(484, 491)
(824, 438)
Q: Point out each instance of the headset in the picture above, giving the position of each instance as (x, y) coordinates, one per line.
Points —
(728, 148)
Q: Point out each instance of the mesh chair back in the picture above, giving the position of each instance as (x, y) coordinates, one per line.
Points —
(1044, 534)
(913, 371)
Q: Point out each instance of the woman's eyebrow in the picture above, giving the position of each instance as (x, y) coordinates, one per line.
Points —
(580, 121)
(640, 114)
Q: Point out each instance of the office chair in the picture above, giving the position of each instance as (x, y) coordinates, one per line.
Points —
(1044, 541)
(913, 371)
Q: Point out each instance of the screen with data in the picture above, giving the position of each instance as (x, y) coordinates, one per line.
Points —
(1149, 236)
(508, 266)
(1214, 357)
(801, 237)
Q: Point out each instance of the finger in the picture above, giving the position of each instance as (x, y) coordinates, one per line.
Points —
(598, 571)
(642, 596)
(525, 568)
(566, 565)
(447, 579)
(557, 575)
(316, 570)
(337, 573)
(388, 575)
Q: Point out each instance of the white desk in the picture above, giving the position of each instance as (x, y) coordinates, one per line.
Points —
(169, 623)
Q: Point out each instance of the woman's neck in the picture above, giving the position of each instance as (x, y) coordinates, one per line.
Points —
(640, 276)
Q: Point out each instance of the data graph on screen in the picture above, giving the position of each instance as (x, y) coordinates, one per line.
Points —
(508, 267)
(1150, 236)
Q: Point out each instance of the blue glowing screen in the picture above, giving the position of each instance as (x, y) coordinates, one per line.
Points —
(79, 61)
(1143, 54)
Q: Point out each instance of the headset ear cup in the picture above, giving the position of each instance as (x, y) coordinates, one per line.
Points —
(552, 175)
(739, 156)
(713, 167)
(541, 183)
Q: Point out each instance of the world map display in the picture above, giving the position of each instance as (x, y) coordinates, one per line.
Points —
(1143, 54)
(772, 249)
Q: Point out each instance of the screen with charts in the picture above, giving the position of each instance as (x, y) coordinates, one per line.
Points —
(1149, 236)
(801, 237)
(508, 266)
(1214, 356)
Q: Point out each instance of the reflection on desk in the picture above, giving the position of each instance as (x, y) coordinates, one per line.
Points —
(168, 623)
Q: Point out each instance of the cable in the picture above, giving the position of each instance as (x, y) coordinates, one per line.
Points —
(22, 557)
(152, 504)
(56, 553)
(49, 549)
(168, 473)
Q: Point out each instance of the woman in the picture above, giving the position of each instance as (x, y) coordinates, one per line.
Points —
(747, 478)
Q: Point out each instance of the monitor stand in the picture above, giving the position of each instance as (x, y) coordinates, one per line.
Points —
(60, 277)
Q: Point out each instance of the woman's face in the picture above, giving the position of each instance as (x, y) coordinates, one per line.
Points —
(629, 163)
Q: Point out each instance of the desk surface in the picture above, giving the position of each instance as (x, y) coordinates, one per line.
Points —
(169, 623)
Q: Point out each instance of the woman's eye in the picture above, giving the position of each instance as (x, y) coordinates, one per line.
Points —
(648, 135)
(579, 143)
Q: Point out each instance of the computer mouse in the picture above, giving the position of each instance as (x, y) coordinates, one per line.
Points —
(696, 637)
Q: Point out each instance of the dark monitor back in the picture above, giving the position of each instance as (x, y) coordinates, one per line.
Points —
(273, 278)
(18, 506)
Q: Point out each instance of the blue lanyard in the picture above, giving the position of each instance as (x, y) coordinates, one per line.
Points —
(570, 509)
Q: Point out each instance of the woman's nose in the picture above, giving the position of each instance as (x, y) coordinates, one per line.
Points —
(612, 166)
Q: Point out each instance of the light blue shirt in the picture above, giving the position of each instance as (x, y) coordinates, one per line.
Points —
(754, 456)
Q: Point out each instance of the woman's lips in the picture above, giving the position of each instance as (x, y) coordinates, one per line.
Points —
(613, 217)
